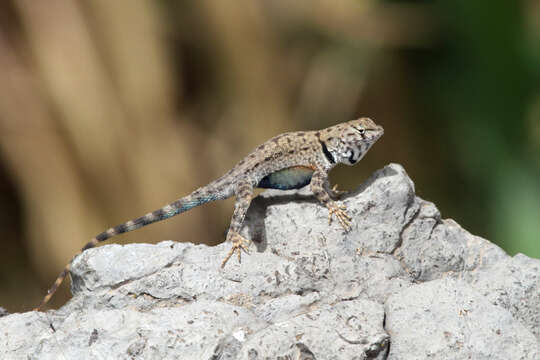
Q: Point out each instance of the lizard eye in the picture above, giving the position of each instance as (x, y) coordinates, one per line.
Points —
(362, 131)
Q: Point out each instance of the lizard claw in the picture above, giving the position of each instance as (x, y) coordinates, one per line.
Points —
(341, 214)
(335, 193)
(239, 243)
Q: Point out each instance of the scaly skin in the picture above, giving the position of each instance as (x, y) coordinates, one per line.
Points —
(287, 161)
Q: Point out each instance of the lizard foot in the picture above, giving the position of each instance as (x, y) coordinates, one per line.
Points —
(335, 193)
(239, 243)
(341, 214)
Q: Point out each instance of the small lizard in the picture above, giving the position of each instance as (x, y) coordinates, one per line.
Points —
(287, 161)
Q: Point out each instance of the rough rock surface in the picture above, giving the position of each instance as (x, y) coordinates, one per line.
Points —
(3, 312)
(403, 284)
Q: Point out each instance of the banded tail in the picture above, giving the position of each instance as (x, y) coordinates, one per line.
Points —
(198, 197)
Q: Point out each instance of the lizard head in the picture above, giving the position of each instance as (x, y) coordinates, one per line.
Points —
(349, 142)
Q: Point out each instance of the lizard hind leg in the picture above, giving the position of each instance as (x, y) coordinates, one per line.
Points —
(239, 244)
(244, 191)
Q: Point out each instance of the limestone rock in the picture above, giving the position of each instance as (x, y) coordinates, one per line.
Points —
(402, 284)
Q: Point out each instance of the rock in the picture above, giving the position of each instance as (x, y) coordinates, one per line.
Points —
(347, 330)
(448, 319)
(514, 284)
(403, 283)
(3, 312)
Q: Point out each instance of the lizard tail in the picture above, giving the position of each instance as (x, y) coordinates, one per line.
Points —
(195, 199)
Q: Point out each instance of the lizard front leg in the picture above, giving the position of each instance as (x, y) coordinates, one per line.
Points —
(319, 187)
(333, 190)
(244, 191)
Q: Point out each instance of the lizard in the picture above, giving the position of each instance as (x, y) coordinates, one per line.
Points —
(287, 161)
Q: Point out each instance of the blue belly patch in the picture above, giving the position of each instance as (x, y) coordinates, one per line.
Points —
(294, 177)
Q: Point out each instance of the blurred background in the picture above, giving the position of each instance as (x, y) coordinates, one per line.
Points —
(109, 109)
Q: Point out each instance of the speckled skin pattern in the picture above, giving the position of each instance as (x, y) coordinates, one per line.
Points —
(287, 161)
